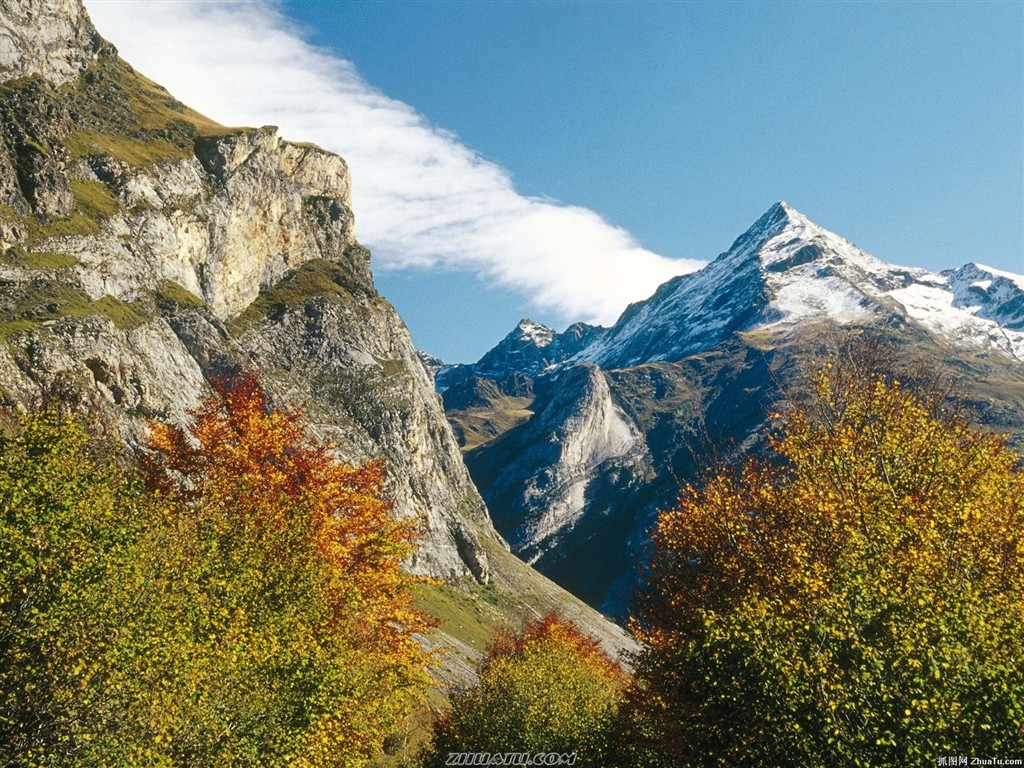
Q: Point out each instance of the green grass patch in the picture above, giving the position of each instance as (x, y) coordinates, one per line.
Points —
(9, 214)
(7, 330)
(19, 84)
(18, 257)
(93, 199)
(127, 149)
(41, 149)
(124, 316)
(172, 295)
(155, 108)
(463, 612)
(93, 202)
(50, 300)
(316, 278)
(74, 225)
(475, 427)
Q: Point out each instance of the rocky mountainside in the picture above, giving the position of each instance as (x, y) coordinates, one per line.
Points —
(574, 453)
(528, 349)
(146, 250)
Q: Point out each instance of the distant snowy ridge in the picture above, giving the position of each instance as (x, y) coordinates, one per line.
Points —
(539, 335)
(529, 348)
(786, 269)
(783, 271)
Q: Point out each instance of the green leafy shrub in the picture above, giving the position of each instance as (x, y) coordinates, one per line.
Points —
(69, 518)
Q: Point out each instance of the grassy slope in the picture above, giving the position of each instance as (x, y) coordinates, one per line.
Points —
(481, 410)
(480, 425)
(130, 118)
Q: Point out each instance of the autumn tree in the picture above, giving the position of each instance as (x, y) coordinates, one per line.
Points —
(854, 599)
(245, 607)
(279, 615)
(547, 688)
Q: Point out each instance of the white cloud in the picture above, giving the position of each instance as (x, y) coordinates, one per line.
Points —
(422, 199)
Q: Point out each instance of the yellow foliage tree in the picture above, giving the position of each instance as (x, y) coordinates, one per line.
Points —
(856, 600)
(548, 688)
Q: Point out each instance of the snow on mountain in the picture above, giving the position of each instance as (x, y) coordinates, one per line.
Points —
(431, 363)
(529, 348)
(786, 269)
(534, 333)
(782, 271)
(989, 293)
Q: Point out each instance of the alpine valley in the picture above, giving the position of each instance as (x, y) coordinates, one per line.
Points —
(146, 250)
(576, 439)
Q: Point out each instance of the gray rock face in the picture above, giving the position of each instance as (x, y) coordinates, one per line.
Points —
(555, 462)
(52, 38)
(224, 223)
(146, 250)
(34, 168)
(560, 484)
(351, 362)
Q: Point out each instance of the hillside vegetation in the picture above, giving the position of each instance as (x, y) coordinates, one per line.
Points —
(235, 600)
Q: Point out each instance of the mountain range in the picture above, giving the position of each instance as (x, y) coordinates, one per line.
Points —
(146, 251)
(576, 439)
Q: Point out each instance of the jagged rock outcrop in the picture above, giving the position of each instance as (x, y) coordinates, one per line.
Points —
(53, 39)
(146, 249)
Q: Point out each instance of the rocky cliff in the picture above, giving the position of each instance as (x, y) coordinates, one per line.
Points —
(144, 249)
(53, 40)
(556, 470)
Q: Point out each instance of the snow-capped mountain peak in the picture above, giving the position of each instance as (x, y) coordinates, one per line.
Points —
(783, 271)
(786, 269)
(534, 333)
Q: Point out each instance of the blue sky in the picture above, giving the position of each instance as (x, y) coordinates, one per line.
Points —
(557, 160)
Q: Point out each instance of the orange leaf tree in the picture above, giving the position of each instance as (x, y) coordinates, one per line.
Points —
(275, 608)
(547, 688)
(855, 600)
